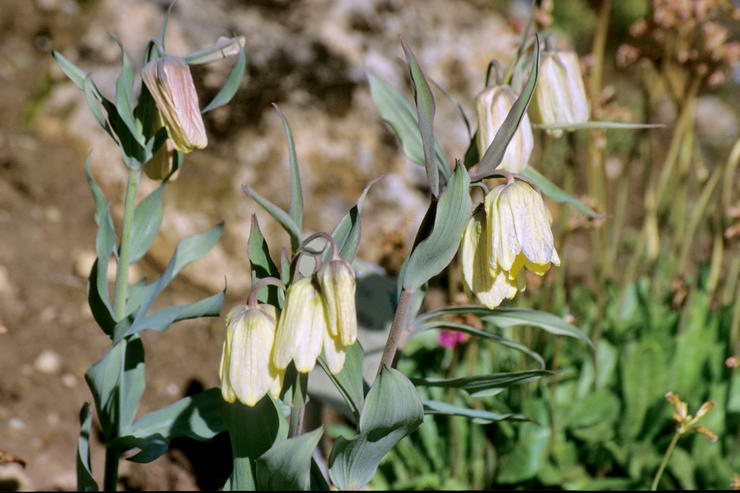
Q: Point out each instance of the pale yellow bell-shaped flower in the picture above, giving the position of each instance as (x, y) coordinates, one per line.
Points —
(301, 328)
(560, 97)
(334, 353)
(338, 286)
(519, 231)
(493, 105)
(246, 371)
(489, 287)
(171, 85)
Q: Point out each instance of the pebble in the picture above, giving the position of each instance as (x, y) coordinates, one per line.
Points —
(48, 362)
(172, 389)
(69, 380)
(6, 285)
(16, 424)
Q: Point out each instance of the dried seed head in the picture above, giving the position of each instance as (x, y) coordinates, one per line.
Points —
(171, 85)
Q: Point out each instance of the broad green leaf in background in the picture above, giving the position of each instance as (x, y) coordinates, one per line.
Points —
(644, 382)
(437, 250)
(231, 85)
(261, 263)
(296, 192)
(392, 411)
(198, 417)
(477, 415)
(425, 109)
(399, 113)
(349, 381)
(347, 231)
(282, 217)
(555, 193)
(85, 479)
(496, 150)
(147, 220)
(530, 450)
(479, 385)
(287, 465)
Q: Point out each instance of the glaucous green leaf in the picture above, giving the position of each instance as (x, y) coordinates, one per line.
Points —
(198, 417)
(231, 84)
(512, 316)
(133, 382)
(150, 448)
(261, 263)
(437, 250)
(392, 411)
(347, 231)
(530, 450)
(72, 71)
(124, 93)
(164, 317)
(296, 191)
(104, 378)
(349, 381)
(556, 193)
(85, 479)
(425, 109)
(147, 220)
(399, 113)
(282, 217)
(287, 465)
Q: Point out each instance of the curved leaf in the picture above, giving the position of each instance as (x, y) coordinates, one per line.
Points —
(556, 193)
(231, 84)
(85, 479)
(477, 415)
(282, 217)
(479, 385)
(287, 465)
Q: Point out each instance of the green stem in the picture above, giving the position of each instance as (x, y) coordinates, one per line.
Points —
(664, 463)
(129, 207)
(111, 470)
(394, 335)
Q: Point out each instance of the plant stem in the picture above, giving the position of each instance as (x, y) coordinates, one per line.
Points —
(394, 335)
(129, 207)
(298, 410)
(111, 470)
(664, 463)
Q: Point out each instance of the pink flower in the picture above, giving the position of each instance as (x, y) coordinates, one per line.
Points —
(450, 338)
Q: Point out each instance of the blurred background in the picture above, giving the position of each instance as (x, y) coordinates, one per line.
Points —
(655, 285)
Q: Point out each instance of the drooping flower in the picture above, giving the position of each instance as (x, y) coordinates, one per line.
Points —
(301, 328)
(490, 286)
(170, 83)
(518, 230)
(493, 105)
(246, 371)
(560, 97)
(337, 281)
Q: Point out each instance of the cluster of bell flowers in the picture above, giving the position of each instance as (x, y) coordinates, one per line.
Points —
(510, 231)
(319, 314)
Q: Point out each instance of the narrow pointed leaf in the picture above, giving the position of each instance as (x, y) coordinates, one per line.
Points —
(85, 479)
(347, 231)
(477, 415)
(147, 220)
(75, 74)
(425, 109)
(477, 385)
(124, 93)
(278, 214)
(296, 192)
(231, 84)
(511, 316)
(261, 263)
(436, 251)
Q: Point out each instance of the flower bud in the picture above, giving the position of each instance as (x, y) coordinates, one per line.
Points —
(493, 105)
(246, 370)
(490, 287)
(161, 163)
(171, 85)
(301, 328)
(337, 282)
(519, 230)
(560, 97)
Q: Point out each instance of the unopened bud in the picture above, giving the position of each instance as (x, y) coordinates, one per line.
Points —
(247, 372)
(338, 286)
(560, 97)
(171, 85)
(161, 163)
(493, 105)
